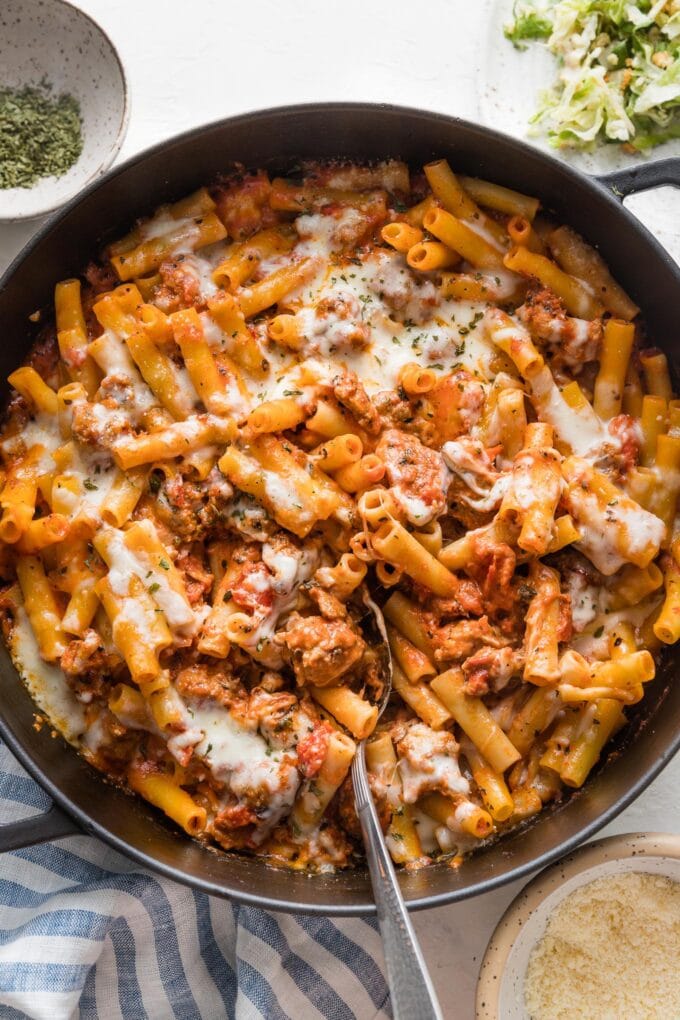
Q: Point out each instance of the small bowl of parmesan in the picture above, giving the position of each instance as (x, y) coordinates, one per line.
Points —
(594, 937)
(63, 105)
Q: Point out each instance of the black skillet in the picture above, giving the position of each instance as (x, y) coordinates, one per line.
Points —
(276, 140)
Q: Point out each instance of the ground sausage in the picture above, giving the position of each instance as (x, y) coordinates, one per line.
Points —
(321, 651)
(349, 392)
(417, 474)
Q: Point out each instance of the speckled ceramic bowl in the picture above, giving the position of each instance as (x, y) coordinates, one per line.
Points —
(500, 989)
(51, 39)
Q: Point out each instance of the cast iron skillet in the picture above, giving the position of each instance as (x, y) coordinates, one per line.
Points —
(277, 139)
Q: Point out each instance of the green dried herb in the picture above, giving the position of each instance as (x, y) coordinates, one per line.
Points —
(40, 134)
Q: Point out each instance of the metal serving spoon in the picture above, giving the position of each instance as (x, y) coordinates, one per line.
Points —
(411, 989)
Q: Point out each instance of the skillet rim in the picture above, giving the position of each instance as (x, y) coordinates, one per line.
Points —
(174, 872)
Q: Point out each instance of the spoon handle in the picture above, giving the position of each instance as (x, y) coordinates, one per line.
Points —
(411, 989)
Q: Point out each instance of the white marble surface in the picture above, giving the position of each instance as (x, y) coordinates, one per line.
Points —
(189, 63)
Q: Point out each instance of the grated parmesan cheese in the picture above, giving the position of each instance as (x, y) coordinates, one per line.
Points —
(609, 952)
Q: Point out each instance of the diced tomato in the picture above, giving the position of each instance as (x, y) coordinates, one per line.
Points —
(626, 431)
(252, 589)
(312, 749)
(457, 403)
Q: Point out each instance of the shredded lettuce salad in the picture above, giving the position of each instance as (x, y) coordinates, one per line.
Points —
(619, 69)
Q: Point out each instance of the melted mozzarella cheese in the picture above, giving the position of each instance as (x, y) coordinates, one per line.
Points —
(426, 828)
(322, 234)
(180, 235)
(463, 458)
(240, 757)
(201, 269)
(135, 614)
(42, 430)
(95, 474)
(441, 772)
(46, 683)
(617, 535)
(475, 224)
(229, 747)
(111, 419)
(114, 360)
(162, 225)
(284, 566)
(579, 428)
(125, 563)
(592, 647)
(259, 640)
(248, 517)
(587, 600)
(417, 510)
(399, 311)
(429, 762)
(281, 492)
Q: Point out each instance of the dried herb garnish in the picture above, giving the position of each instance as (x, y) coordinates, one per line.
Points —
(40, 134)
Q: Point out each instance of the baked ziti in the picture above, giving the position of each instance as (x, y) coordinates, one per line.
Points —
(277, 396)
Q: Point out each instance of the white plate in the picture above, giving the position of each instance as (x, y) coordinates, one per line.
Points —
(500, 989)
(510, 81)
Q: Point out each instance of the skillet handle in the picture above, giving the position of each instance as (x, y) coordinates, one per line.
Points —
(54, 824)
(641, 178)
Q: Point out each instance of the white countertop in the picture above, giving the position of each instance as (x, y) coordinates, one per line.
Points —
(190, 63)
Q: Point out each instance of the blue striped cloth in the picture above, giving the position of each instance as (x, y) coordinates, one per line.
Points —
(86, 933)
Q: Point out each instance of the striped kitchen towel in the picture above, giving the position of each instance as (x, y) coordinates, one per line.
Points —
(85, 933)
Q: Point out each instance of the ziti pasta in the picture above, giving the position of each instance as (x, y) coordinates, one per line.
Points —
(276, 397)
